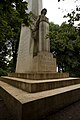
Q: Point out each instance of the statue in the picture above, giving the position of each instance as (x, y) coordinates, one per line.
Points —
(40, 32)
(34, 46)
(44, 42)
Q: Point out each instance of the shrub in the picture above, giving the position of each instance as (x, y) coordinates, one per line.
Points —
(3, 72)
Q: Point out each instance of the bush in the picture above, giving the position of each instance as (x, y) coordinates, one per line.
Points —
(3, 72)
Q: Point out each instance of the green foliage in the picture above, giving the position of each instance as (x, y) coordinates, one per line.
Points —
(73, 17)
(12, 14)
(65, 43)
(2, 72)
(74, 62)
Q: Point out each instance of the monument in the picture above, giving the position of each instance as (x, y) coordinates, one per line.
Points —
(34, 60)
(34, 47)
(36, 90)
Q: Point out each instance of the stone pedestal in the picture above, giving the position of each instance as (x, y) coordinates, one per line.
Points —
(44, 62)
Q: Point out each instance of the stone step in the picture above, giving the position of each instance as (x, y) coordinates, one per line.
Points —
(39, 75)
(32, 86)
(35, 106)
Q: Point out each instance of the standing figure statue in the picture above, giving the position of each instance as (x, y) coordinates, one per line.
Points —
(44, 42)
(40, 34)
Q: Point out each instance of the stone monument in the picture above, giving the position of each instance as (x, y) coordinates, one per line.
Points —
(34, 47)
(36, 89)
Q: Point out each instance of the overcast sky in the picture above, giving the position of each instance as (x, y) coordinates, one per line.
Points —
(56, 10)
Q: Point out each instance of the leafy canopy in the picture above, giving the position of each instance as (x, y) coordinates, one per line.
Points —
(12, 14)
(65, 44)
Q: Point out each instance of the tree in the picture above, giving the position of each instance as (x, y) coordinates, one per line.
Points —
(74, 15)
(64, 0)
(12, 14)
(65, 43)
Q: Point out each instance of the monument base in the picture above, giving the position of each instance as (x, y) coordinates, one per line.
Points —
(33, 86)
(36, 106)
(39, 75)
(44, 62)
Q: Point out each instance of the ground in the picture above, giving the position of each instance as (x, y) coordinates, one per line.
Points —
(71, 112)
(4, 113)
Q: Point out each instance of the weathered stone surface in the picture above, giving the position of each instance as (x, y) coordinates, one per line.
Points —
(36, 106)
(25, 52)
(44, 41)
(44, 62)
(29, 5)
(40, 85)
(36, 7)
(39, 75)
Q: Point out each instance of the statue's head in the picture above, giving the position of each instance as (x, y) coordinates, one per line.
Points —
(44, 11)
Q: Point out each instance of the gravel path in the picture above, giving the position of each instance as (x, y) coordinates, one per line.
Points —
(71, 112)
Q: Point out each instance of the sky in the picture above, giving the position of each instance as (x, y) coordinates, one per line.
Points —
(56, 10)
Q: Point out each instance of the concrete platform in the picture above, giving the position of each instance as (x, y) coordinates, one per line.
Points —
(39, 75)
(32, 86)
(35, 106)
